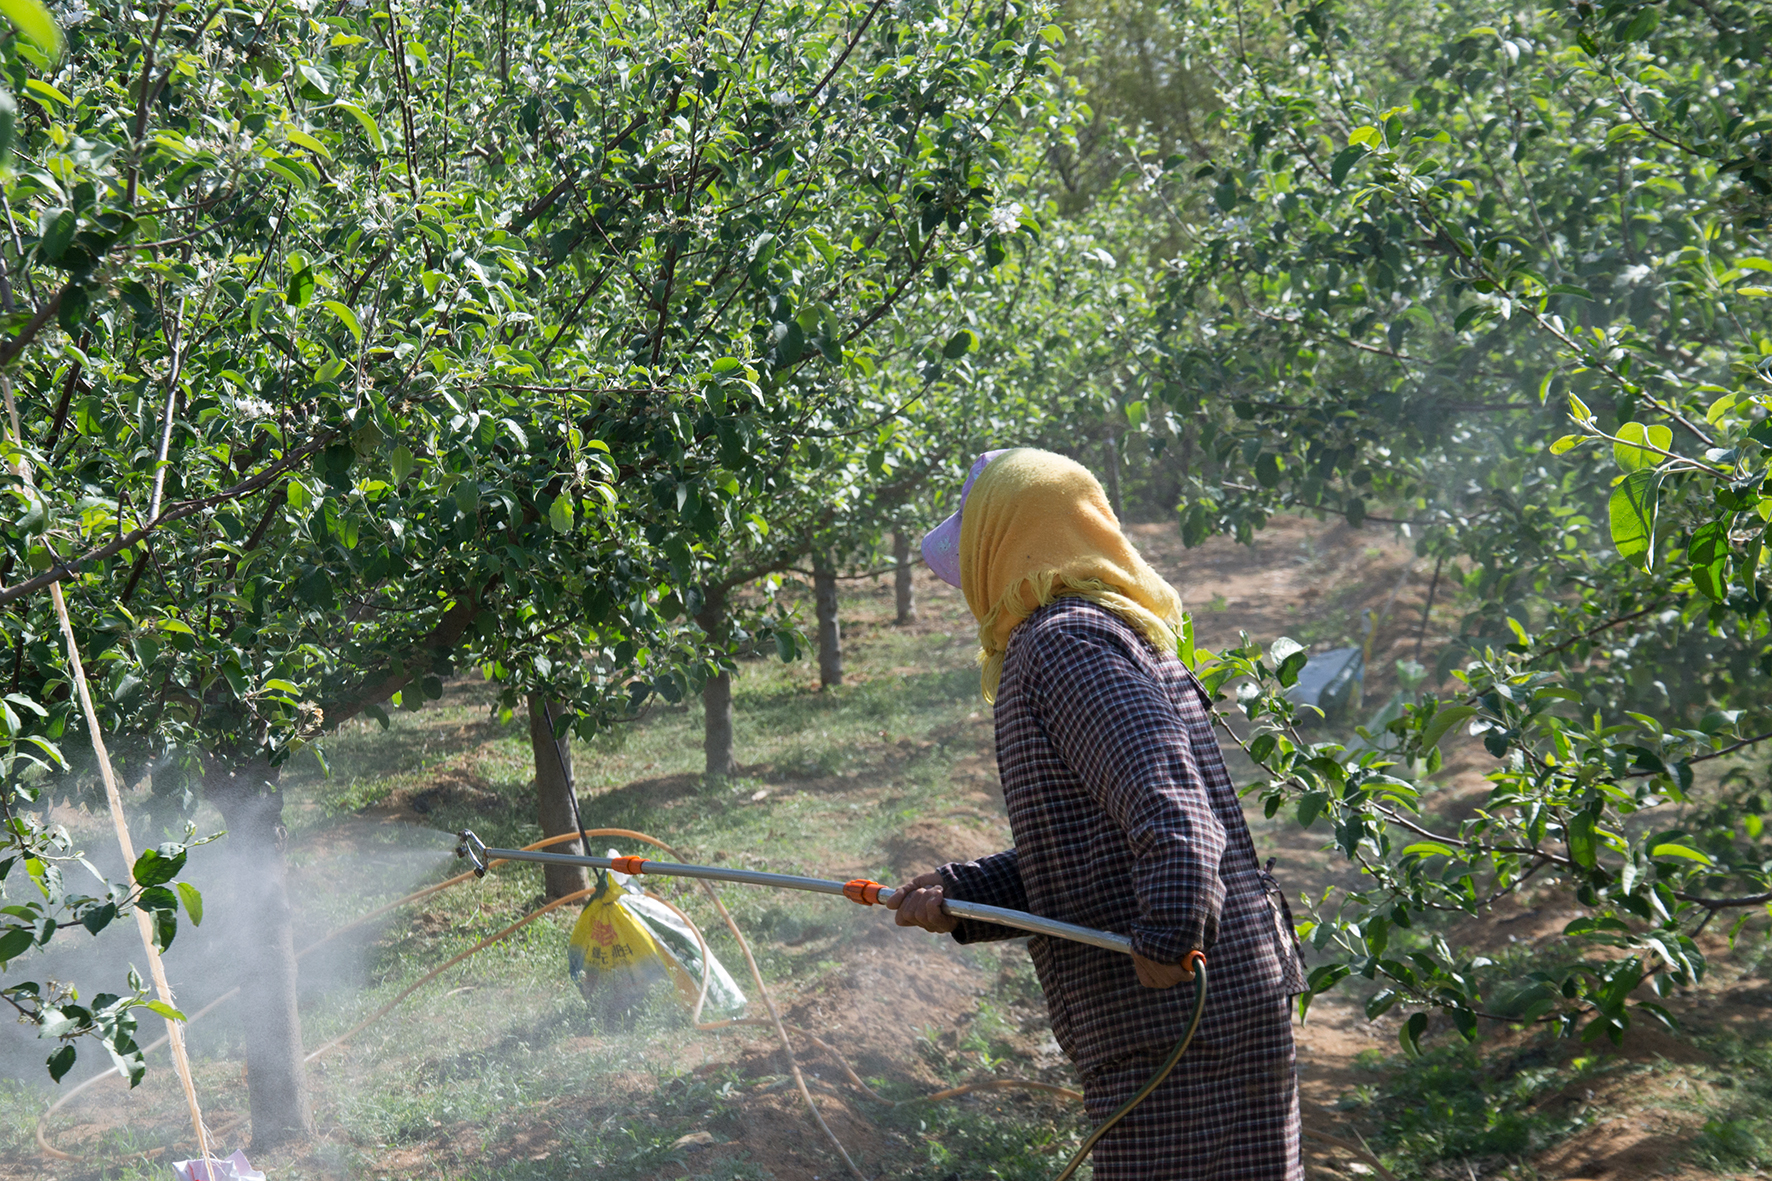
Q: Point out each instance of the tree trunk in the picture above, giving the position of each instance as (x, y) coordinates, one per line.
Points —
(264, 955)
(716, 695)
(1113, 471)
(716, 699)
(830, 635)
(907, 595)
(553, 800)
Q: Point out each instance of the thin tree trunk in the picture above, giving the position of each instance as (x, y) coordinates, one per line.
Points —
(1113, 472)
(716, 695)
(907, 594)
(264, 954)
(553, 799)
(830, 635)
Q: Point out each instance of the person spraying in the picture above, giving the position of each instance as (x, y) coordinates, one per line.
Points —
(1124, 819)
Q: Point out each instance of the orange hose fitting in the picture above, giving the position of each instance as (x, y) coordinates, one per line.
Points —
(862, 891)
(1193, 959)
(628, 865)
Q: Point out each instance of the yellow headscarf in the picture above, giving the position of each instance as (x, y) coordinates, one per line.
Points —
(1037, 526)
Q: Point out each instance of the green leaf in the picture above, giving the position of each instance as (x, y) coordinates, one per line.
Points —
(301, 286)
(1631, 512)
(1283, 649)
(193, 901)
(304, 140)
(1471, 315)
(1566, 444)
(290, 170)
(1345, 160)
(99, 917)
(165, 1010)
(1671, 850)
(1709, 558)
(402, 463)
(959, 344)
(156, 866)
(1409, 1034)
(1429, 849)
(1443, 721)
(40, 89)
(1571, 289)
(58, 232)
(315, 78)
(560, 514)
(1583, 844)
(8, 122)
(35, 24)
(1310, 806)
(1633, 457)
(15, 942)
(369, 125)
(61, 1062)
(346, 317)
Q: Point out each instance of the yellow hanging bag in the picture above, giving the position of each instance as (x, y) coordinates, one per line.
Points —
(611, 954)
(625, 942)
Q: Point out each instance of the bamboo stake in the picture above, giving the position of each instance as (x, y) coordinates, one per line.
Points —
(174, 1031)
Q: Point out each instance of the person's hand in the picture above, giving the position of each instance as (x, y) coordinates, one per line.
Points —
(1151, 974)
(918, 904)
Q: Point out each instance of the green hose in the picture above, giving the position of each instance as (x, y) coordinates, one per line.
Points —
(1156, 1080)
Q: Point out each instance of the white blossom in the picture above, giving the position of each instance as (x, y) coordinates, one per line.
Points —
(1006, 219)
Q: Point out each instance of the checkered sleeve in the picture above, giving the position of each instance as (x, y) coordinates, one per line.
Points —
(989, 881)
(1115, 726)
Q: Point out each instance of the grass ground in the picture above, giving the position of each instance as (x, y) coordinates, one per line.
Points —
(498, 1071)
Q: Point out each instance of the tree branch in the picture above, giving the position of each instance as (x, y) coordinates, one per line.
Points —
(441, 638)
(62, 571)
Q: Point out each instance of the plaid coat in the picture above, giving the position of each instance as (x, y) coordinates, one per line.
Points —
(1125, 819)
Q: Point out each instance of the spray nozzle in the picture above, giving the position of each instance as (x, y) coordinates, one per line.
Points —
(474, 849)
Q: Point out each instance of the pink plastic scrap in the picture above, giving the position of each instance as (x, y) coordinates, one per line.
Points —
(222, 1168)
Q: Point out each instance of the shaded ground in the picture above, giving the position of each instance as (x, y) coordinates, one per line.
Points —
(496, 1069)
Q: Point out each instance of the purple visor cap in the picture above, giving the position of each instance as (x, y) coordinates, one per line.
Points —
(941, 545)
